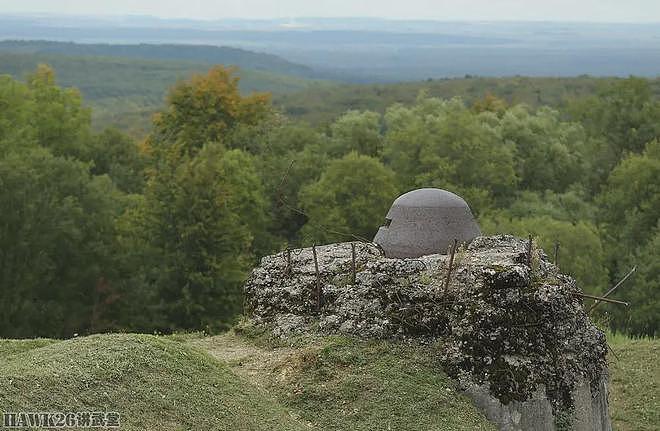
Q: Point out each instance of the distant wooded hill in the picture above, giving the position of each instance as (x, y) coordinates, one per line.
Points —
(125, 91)
(363, 50)
(194, 53)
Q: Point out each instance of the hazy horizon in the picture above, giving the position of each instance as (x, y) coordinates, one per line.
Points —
(587, 11)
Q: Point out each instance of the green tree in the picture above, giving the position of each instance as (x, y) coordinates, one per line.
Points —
(59, 265)
(549, 152)
(292, 157)
(572, 206)
(351, 198)
(630, 203)
(356, 131)
(60, 121)
(642, 291)
(56, 229)
(630, 214)
(204, 211)
(198, 222)
(443, 144)
(205, 109)
(118, 156)
(16, 108)
(621, 118)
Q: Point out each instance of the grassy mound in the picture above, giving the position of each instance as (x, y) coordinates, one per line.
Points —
(338, 383)
(153, 382)
(243, 384)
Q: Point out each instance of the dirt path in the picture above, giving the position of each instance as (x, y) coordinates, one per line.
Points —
(255, 364)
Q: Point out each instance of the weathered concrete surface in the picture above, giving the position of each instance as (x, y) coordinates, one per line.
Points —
(426, 221)
(536, 413)
(503, 325)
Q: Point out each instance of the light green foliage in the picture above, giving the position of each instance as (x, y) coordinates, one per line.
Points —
(573, 205)
(16, 107)
(623, 112)
(356, 131)
(581, 251)
(549, 151)
(61, 123)
(351, 198)
(443, 144)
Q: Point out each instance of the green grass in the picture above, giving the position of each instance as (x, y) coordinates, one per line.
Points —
(8, 348)
(195, 382)
(635, 383)
(346, 384)
(153, 382)
(337, 383)
(244, 381)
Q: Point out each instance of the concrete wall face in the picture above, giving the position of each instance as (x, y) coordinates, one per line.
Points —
(535, 414)
(426, 221)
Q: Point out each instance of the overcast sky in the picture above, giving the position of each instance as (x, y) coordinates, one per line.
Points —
(549, 10)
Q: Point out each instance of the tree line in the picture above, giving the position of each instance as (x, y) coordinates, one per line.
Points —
(102, 233)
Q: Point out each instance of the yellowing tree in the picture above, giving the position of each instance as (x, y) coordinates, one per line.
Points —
(204, 207)
(204, 110)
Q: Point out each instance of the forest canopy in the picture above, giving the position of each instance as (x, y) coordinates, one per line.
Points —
(101, 232)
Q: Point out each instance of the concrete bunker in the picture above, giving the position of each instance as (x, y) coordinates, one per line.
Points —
(426, 221)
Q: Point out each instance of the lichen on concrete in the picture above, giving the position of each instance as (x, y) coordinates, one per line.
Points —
(505, 326)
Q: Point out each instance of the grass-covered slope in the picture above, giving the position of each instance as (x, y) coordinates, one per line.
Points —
(154, 383)
(245, 382)
(167, 383)
(336, 383)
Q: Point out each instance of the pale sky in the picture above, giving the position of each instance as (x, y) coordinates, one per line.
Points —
(534, 10)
